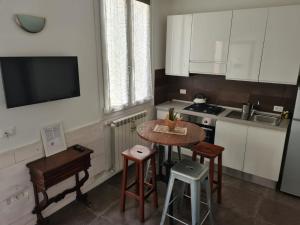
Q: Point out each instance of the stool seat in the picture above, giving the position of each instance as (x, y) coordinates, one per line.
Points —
(208, 150)
(138, 153)
(190, 169)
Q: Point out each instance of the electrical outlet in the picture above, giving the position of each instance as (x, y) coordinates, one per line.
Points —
(277, 108)
(182, 91)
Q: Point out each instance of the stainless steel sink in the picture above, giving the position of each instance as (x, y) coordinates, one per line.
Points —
(264, 118)
(257, 117)
(235, 115)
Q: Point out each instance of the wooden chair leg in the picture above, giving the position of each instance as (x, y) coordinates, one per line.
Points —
(211, 173)
(141, 191)
(153, 165)
(220, 178)
(124, 184)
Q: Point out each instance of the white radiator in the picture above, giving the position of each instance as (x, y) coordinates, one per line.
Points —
(124, 136)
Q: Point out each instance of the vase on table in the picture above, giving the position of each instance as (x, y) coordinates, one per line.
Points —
(171, 124)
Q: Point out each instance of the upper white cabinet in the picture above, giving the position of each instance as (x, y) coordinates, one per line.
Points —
(264, 152)
(281, 55)
(259, 45)
(179, 30)
(233, 138)
(209, 43)
(246, 44)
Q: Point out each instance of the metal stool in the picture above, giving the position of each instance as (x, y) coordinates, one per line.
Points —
(193, 174)
(139, 154)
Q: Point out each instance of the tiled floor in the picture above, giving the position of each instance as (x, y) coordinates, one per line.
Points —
(243, 204)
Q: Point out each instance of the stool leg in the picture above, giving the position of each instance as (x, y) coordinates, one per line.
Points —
(141, 191)
(124, 184)
(137, 178)
(168, 196)
(153, 167)
(195, 202)
(211, 173)
(208, 199)
(148, 170)
(179, 152)
(220, 178)
(148, 167)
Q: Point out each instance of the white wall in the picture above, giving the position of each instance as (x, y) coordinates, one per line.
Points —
(193, 6)
(69, 31)
(72, 29)
(160, 10)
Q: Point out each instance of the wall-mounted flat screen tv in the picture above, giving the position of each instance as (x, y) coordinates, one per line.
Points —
(31, 80)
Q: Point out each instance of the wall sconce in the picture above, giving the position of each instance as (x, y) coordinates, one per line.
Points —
(31, 24)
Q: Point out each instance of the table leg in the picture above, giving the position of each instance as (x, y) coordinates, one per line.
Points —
(37, 210)
(160, 161)
(169, 164)
(79, 183)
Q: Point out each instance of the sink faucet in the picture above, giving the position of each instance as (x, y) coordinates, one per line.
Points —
(253, 108)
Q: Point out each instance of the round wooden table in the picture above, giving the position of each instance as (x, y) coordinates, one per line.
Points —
(194, 135)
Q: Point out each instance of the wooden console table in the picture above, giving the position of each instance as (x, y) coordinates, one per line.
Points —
(51, 170)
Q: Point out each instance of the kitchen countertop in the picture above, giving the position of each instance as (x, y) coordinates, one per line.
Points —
(179, 106)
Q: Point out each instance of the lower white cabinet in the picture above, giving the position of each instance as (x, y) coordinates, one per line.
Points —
(250, 149)
(264, 151)
(232, 137)
(161, 114)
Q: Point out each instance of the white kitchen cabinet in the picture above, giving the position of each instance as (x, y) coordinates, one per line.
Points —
(281, 54)
(232, 137)
(179, 29)
(246, 44)
(264, 151)
(209, 42)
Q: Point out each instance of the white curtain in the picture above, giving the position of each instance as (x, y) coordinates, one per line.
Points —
(125, 32)
(141, 48)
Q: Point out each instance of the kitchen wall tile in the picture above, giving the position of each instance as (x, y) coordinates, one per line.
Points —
(224, 92)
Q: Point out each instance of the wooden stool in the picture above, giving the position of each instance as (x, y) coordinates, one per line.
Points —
(211, 151)
(140, 155)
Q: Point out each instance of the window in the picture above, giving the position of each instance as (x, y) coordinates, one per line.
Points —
(126, 53)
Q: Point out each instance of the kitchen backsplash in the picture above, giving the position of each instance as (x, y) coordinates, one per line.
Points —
(224, 92)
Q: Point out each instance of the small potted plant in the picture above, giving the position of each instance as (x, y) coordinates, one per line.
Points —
(171, 119)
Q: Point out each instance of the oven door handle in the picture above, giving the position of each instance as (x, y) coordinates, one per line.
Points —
(208, 129)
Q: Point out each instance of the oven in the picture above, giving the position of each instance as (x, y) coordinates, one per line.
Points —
(207, 123)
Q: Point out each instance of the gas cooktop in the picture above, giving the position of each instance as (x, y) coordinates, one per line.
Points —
(205, 108)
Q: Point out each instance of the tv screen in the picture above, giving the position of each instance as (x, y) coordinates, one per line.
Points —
(31, 80)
